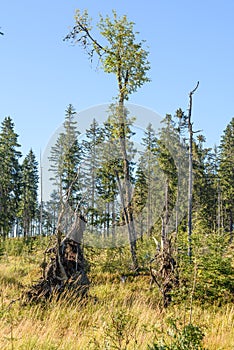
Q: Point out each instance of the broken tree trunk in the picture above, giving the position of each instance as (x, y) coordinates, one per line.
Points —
(164, 272)
(190, 179)
(66, 269)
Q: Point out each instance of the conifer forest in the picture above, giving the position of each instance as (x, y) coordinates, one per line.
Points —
(130, 246)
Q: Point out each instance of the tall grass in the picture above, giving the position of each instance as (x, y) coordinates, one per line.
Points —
(125, 315)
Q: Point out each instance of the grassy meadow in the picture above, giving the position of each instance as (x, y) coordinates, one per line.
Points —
(115, 315)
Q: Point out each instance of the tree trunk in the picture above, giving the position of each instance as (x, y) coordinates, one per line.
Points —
(190, 180)
(126, 191)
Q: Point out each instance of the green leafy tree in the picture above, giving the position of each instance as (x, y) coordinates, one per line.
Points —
(10, 176)
(122, 55)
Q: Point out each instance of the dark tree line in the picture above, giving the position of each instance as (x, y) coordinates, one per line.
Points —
(159, 187)
(18, 185)
(93, 167)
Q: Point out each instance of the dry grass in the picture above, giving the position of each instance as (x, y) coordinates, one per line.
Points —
(93, 323)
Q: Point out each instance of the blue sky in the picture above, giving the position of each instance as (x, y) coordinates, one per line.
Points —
(40, 74)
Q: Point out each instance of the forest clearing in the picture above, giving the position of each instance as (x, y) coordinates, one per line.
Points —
(121, 236)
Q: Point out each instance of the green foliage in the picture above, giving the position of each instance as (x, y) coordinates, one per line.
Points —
(120, 54)
(210, 278)
(22, 246)
(226, 175)
(118, 332)
(125, 57)
(188, 338)
(91, 154)
(10, 176)
(204, 187)
(28, 198)
(215, 278)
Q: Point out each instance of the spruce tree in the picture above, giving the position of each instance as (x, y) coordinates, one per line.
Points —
(204, 194)
(166, 146)
(226, 174)
(9, 176)
(51, 212)
(29, 187)
(72, 157)
(148, 164)
(56, 164)
(140, 196)
(91, 148)
(65, 160)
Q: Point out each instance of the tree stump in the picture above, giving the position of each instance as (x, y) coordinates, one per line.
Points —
(164, 273)
(66, 270)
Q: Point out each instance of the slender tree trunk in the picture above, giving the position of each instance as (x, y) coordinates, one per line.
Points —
(149, 200)
(108, 219)
(165, 216)
(113, 217)
(128, 212)
(190, 180)
(219, 209)
(178, 188)
(124, 204)
(190, 187)
(231, 225)
(92, 199)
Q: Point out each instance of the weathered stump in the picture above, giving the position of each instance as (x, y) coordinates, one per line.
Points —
(65, 272)
(164, 273)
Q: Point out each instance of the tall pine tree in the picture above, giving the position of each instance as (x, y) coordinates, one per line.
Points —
(226, 174)
(9, 176)
(65, 159)
(91, 148)
(29, 187)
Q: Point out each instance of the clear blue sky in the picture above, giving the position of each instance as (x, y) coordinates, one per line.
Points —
(40, 74)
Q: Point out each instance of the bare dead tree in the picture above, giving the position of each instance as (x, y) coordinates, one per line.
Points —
(190, 179)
